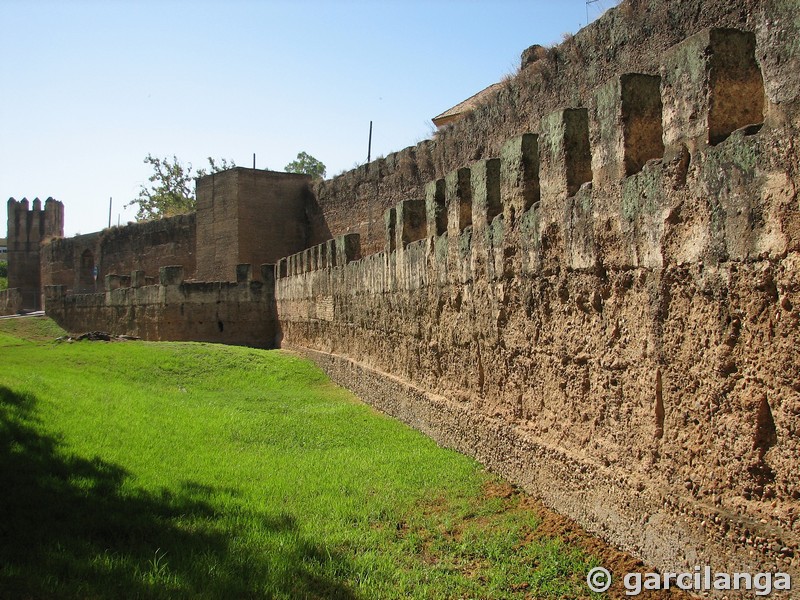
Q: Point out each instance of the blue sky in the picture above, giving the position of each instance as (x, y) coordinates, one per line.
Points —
(89, 88)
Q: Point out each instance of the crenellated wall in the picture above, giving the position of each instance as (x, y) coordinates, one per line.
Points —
(28, 229)
(606, 313)
(240, 312)
(591, 284)
(630, 38)
(143, 246)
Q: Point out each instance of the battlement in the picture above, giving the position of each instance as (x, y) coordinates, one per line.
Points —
(333, 253)
(633, 119)
(32, 224)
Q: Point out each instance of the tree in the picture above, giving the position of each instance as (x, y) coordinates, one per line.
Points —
(170, 192)
(307, 164)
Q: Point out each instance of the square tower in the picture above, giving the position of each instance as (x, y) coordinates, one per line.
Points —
(249, 216)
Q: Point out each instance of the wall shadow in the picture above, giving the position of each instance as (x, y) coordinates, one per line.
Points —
(73, 528)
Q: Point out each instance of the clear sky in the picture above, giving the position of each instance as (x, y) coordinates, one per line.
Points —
(89, 88)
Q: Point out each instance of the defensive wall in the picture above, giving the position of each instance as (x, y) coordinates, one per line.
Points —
(249, 216)
(606, 312)
(241, 312)
(243, 216)
(147, 246)
(591, 284)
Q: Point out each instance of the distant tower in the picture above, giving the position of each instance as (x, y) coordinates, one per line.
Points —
(27, 230)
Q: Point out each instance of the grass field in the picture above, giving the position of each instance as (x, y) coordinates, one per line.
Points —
(181, 470)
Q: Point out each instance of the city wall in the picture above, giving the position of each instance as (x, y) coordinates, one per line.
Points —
(606, 312)
(171, 308)
(146, 246)
(590, 284)
(29, 226)
(249, 216)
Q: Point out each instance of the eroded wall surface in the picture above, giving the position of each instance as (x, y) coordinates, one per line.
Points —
(606, 313)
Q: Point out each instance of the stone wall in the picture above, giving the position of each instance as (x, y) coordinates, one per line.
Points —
(241, 312)
(11, 301)
(143, 246)
(629, 38)
(607, 312)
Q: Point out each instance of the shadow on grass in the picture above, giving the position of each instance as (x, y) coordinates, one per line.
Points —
(72, 528)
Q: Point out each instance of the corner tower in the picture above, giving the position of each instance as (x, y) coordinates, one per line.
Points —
(28, 228)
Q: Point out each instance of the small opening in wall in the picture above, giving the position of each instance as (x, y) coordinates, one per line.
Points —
(86, 274)
(641, 120)
(577, 150)
(737, 86)
(436, 208)
(220, 326)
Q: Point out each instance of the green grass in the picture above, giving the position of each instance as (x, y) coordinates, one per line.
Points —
(182, 470)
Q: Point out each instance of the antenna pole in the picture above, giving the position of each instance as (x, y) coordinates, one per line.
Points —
(369, 146)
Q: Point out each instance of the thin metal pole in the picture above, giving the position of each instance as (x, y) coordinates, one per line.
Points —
(369, 147)
(109, 211)
(254, 160)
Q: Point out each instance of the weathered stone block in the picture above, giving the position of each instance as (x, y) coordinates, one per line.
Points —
(330, 254)
(137, 278)
(411, 222)
(244, 273)
(519, 174)
(436, 208)
(390, 222)
(565, 157)
(485, 183)
(172, 275)
(711, 86)
(626, 128)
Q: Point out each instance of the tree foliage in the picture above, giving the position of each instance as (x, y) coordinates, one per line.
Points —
(169, 191)
(306, 164)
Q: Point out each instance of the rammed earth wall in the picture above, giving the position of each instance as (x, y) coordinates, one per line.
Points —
(607, 312)
(628, 39)
(120, 250)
